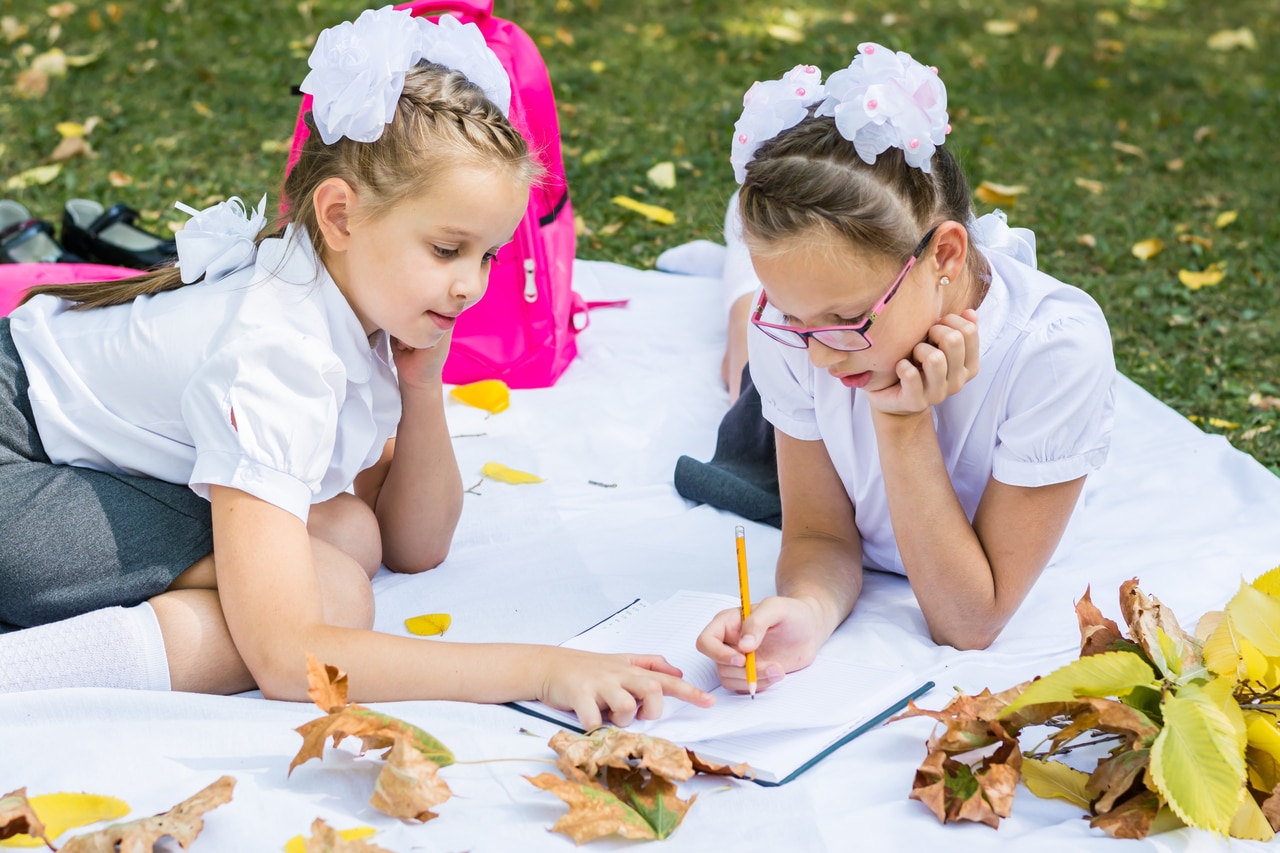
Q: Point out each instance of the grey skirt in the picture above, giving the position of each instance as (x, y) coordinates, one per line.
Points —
(73, 539)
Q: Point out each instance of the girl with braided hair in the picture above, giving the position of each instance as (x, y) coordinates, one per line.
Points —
(201, 468)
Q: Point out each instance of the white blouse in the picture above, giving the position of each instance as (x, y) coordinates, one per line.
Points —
(1039, 411)
(263, 381)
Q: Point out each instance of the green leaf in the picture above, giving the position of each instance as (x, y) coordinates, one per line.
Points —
(663, 819)
(1256, 617)
(1196, 764)
(1147, 700)
(1049, 779)
(1107, 674)
(1169, 650)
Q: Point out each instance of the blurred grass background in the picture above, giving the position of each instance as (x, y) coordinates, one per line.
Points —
(1122, 120)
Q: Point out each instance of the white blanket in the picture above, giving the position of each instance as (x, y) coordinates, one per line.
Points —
(1179, 509)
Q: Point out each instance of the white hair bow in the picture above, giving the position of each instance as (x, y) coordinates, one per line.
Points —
(219, 240)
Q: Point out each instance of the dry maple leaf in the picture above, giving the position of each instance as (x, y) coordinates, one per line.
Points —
(593, 811)
(1097, 632)
(712, 768)
(613, 747)
(183, 823)
(326, 839)
(1146, 617)
(328, 689)
(652, 796)
(1131, 818)
(409, 784)
(18, 818)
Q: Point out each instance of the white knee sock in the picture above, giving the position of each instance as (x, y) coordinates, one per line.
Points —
(113, 647)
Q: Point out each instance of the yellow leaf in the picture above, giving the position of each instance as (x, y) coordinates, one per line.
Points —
(1000, 28)
(1095, 187)
(1268, 582)
(1107, 674)
(51, 63)
(1195, 764)
(1250, 823)
(596, 66)
(1232, 39)
(1256, 664)
(68, 129)
(503, 474)
(492, 395)
(1126, 148)
(663, 175)
(993, 193)
(298, 844)
(60, 812)
(1264, 737)
(1256, 618)
(1222, 649)
(82, 60)
(1049, 779)
(429, 624)
(1147, 249)
(36, 177)
(1196, 280)
(202, 108)
(1222, 423)
(649, 211)
(61, 10)
(1225, 218)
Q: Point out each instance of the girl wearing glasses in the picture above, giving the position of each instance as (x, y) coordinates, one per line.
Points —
(937, 401)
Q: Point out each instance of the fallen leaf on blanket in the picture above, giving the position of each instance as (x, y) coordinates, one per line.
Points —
(326, 839)
(409, 784)
(663, 175)
(62, 811)
(715, 768)
(993, 193)
(17, 818)
(492, 395)
(593, 811)
(428, 624)
(652, 796)
(503, 474)
(1145, 250)
(613, 747)
(649, 211)
(183, 823)
(1207, 278)
(328, 686)
(1187, 723)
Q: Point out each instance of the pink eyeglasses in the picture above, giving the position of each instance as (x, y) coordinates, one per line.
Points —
(842, 338)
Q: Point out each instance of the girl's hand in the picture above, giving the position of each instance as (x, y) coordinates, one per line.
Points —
(939, 366)
(424, 366)
(623, 687)
(785, 634)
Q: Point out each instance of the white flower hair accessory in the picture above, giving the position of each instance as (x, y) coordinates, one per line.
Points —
(358, 68)
(886, 99)
(219, 240)
(770, 107)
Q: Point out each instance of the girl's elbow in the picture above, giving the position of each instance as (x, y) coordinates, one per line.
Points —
(970, 637)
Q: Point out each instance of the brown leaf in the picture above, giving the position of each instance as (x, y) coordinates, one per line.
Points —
(593, 811)
(326, 839)
(183, 823)
(1097, 633)
(1115, 776)
(326, 685)
(71, 146)
(710, 768)
(31, 83)
(1130, 819)
(1271, 809)
(1145, 615)
(970, 721)
(1132, 150)
(409, 784)
(18, 818)
(374, 730)
(613, 747)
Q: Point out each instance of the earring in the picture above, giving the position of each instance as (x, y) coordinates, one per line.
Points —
(944, 281)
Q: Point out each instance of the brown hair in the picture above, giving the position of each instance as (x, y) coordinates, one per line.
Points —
(442, 119)
(808, 181)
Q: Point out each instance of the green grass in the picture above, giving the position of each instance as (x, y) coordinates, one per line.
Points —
(194, 105)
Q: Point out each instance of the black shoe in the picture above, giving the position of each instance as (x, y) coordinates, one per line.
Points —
(24, 240)
(110, 237)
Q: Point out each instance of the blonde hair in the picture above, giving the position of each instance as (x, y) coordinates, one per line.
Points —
(442, 120)
(809, 183)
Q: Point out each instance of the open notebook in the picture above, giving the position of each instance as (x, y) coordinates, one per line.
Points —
(783, 731)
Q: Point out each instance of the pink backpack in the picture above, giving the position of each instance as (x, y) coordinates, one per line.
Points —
(523, 330)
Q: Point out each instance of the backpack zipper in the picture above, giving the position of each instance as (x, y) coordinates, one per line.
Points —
(530, 282)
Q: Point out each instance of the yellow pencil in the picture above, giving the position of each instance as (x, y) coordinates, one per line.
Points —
(745, 593)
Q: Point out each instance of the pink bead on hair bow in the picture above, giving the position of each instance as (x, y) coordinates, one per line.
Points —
(770, 107)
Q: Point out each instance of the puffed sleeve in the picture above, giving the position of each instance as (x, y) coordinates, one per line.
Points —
(263, 416)
(1060, 405)
(784, 378)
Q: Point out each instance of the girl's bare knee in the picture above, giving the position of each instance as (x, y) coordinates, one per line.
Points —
(348, 524)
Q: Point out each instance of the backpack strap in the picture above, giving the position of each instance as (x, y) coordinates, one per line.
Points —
(474, 8)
